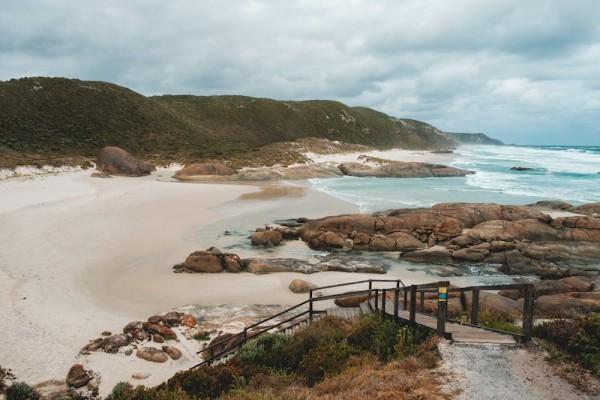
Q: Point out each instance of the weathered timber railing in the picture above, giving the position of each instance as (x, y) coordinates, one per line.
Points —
(402, 296)
(527, 290)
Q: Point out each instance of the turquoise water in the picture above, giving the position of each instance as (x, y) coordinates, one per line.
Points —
(559, 173)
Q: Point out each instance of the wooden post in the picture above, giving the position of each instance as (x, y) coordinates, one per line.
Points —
(422, 301)
(441, 318)
(396, 303)
(384, 291)
(405, 294)
(370, 285)
(413, 304)
(475, 306)
(528, 308)
(442, 311)
(245, 335)
(310, 306)
(376, 299)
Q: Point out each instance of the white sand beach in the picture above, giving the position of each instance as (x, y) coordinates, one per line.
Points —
(81, 255)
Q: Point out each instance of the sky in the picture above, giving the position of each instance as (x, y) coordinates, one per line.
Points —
(526, 72)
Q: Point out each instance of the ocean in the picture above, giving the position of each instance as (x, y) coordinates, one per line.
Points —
(567, 173)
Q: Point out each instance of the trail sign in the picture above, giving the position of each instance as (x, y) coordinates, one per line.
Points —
(443, 294)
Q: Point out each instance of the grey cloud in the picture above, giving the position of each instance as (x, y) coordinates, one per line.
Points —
(523, 71)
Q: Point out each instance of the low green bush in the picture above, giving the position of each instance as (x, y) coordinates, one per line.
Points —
(498, 320)
(325, 359)
(206, 381)
(267, 351)
(202, 336)
(21, 391)
(579, 338)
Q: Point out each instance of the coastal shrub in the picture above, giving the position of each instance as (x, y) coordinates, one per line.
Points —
(498, 320)
(125, 391)
(121, 390)
(267, 350)
(579, 338)
(21, 391)
(361, 335)
(205, 381)
(385, 339)
(325, 359)
(202, 336)
(326, 330)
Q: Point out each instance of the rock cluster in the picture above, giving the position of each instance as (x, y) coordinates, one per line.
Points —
(212, 260)
(521, 239)
(197, 171)
(116, 161)
(157, 329)
(401, 169)
(386, 168)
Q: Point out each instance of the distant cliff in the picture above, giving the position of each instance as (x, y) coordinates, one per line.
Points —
(473, 138)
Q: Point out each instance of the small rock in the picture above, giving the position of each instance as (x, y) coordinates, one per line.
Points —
(77, 376)
(128, 352)
(188, 320)
(106, 333)
(140, 375)
(158, 338)
(173, 352)
(152, 354)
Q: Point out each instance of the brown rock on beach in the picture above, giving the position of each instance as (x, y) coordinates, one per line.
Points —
(116, 161)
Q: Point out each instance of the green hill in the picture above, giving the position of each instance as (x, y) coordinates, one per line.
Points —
(56, 117)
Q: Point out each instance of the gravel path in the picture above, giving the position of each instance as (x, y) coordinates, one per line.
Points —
(489, 372)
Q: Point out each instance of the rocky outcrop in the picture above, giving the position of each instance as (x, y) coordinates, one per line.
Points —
(301, 286)
(567, 305)
(520, 239)
(116, 161)
(521, 169)
(200, 170)
(158, 328)
(78, 377)
(400, 169)
(259, 266)
(266, 237)
(550, 287)
(210, 261)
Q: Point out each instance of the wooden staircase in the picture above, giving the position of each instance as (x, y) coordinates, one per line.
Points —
(398, 303)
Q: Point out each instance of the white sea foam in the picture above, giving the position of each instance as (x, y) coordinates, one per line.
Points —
(558, 173)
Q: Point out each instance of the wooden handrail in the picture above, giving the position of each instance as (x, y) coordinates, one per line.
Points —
(528, 308)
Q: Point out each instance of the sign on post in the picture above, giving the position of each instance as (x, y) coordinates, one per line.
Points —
(443, 294)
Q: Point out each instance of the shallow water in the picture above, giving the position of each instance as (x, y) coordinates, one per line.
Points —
(559, 173)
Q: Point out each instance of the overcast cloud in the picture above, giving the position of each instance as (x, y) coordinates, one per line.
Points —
(523, 71)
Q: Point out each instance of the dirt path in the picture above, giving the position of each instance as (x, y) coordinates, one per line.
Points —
(489, 372)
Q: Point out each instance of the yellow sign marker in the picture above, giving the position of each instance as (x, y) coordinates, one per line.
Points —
(443, 294)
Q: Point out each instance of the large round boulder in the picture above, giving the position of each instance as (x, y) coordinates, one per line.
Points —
(116, 161)
(204, 261)
(267, 237)
(301, 286)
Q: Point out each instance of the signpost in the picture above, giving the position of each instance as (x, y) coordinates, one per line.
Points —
(442, 308)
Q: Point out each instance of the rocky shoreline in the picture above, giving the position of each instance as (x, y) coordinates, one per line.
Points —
(519, 239)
